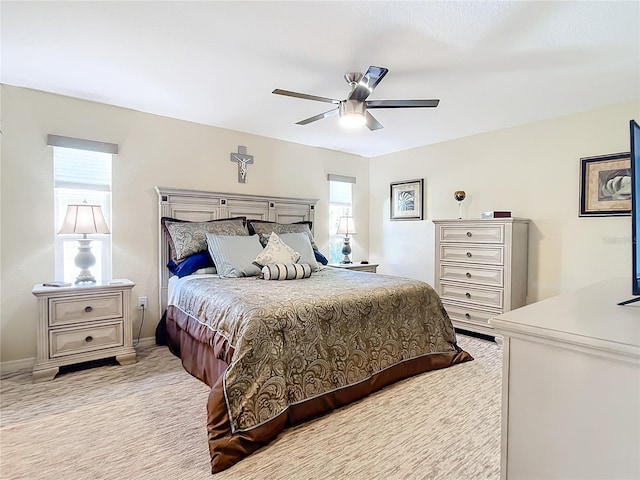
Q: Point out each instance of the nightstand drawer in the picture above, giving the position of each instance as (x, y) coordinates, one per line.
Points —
(64, 311)
(472, 233)
(472, 254)
(461, 293)
(69, 341)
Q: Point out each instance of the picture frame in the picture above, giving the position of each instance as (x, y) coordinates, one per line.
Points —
(406, 200)
(605, 185)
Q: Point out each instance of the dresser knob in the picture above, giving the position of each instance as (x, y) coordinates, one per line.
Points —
(467, 316)
(469, 254)
(88, 309)
(468, 295)
(88, 339)
(469, 234)
(468, 275)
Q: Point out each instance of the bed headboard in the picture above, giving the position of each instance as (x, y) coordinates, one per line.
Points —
(198, 205)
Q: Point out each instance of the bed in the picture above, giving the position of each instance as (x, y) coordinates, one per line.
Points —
(276, 353)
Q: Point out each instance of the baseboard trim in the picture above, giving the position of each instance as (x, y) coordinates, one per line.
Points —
(27, 363)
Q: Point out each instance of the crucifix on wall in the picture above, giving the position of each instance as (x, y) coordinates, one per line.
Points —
(243, 160)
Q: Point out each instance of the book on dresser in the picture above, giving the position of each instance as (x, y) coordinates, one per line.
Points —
(481, 269)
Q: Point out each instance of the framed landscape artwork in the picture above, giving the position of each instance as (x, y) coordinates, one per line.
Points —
(605, 185)
(406, 200)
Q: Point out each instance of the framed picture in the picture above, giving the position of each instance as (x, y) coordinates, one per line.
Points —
(605, 185)
(406, 200)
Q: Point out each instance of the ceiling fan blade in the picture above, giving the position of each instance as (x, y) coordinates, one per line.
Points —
(368, 83)
(305, 96)
(318, 117)
(372, 123)
(401, 103)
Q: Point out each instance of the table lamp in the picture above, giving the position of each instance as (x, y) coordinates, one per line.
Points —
(86, 220)
(346, 227)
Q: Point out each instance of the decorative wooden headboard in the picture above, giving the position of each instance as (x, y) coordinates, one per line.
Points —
(198, 205)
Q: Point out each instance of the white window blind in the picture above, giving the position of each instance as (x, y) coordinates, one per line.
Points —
(82, 169)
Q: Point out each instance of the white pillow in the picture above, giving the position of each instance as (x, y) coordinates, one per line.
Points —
(233, 255)
(300, 243)
(277, 251)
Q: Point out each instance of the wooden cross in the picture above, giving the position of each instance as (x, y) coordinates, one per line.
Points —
(243, 160)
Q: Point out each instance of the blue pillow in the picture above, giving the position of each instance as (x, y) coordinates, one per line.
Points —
(190, 264)
(320, 257)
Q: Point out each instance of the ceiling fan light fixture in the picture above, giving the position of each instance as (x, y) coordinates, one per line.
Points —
(352, 114)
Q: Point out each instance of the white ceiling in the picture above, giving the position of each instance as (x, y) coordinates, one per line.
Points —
(493, 65)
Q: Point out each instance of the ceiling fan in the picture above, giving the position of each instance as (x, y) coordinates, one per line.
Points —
(353, 110)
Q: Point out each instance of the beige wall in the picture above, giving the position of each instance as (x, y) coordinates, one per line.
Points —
(154, 151)
(533, 171)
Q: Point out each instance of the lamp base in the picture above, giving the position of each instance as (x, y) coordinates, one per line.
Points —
(84, 259)
(346, 251)
(84, 277)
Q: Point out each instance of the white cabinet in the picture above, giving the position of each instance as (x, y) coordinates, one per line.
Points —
(82, 323)
(571, 386)
(481, 269)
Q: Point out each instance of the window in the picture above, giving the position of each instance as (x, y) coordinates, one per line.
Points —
(340, 204)
(81, 176)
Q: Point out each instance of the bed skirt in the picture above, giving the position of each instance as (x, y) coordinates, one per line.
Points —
(206, 355)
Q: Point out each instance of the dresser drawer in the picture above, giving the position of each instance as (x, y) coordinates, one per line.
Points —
(466, 314)
(491, 277)
(472, 234)
(68, 341)
(64, 311)
(478, 296)
(472, 254)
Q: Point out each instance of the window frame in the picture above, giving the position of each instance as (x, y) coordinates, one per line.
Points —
(97, 192)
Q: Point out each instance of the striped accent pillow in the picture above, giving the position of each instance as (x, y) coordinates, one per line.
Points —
(286, 271)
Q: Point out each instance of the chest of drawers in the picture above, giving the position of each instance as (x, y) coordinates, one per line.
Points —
(481, 269)
(79, 324)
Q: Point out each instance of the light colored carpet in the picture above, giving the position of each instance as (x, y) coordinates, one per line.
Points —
(148, 421)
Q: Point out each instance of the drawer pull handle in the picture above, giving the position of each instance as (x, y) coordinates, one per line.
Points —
(88, 309)
(88, 339)
(469, 254)
(467, 316)
(469, 234)
(468, 275)
(468, 295)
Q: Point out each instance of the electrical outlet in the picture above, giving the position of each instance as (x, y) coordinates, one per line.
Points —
(142, 303)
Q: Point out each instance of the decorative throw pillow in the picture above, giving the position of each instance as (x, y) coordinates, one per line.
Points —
(300, 243)
(320, 257)
(186, 238)
(277, 251)
(234, 255)
(285, 271)
(191, 264)
(264, 229)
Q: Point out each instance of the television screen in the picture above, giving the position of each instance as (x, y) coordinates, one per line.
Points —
(634, 131)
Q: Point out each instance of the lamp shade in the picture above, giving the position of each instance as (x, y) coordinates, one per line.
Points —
(346, 226)
(84, 219)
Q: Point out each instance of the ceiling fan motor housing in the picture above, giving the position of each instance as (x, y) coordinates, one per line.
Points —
(353, 78)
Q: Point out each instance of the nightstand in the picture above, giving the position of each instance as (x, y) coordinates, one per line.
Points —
(82, 323)
(361, 267)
